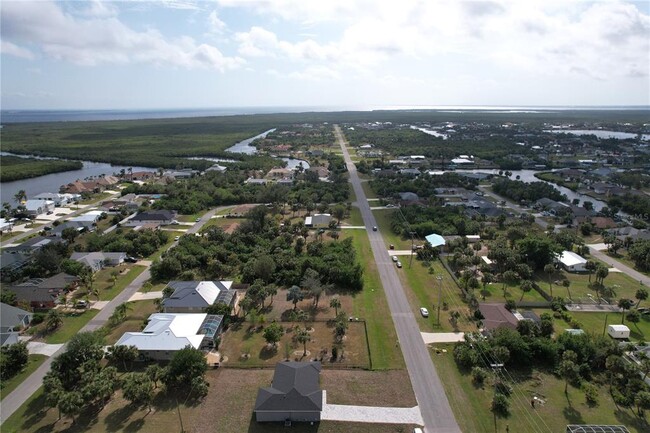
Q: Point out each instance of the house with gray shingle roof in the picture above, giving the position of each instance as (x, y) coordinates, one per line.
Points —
(294, 394)
(196, 296)
(12, 319)
(98, 260)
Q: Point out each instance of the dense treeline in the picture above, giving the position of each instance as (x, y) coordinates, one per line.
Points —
(217, 189)
(517, 190)
(16, 168)
(406, 141)
(260, 249)
(141, 243)
(637, 205)
(424, 185)
(425, 220)
(301, 136)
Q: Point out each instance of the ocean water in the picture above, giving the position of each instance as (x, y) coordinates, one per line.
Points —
(22, 116)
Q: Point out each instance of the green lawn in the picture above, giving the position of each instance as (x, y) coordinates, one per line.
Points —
(221, 222)
(370, 193)
(372, 306)
(579, 287)
(595, 323)
(104, 282)
(33, 363)
(384, 218)
(422, 291)
(191, 218)
(471, 404)
(355, 218)
(71, 325)
(95, 198)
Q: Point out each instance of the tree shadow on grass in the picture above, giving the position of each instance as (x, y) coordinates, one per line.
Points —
(572, 415)
(268, 352)
(629, 418)
(134, 426)
(37, 410)
(115, 420)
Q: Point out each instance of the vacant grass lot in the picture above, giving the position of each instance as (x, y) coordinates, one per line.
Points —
(471, 404)
(227, 408)
(595, 323)
(244, 346)
(71, 325)
(33, 363)
(422, 290)
(371, 305)
(384, 218)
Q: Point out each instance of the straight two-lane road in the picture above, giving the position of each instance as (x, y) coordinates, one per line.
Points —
(429, 392)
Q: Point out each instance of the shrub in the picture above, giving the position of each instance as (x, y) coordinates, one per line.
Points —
(37, 318)
(478, 375)
(591, 394)
(500, 405)
(503, 388)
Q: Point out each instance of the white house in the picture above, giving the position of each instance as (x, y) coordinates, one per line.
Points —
(618, 331)
(167, 333)
(318, 221)
(91, 217)
(98, 260)
(572, 262)
(58, 199)
(6, 225)
(39, 207)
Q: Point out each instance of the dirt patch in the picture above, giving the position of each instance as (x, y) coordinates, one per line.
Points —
(242, 209)
(230, 228)
(368, 388)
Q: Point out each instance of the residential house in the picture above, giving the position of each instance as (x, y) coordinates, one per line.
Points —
(253, 181)
(99, 260)
(30, 246)
(58, 199)
(91, 217)
(294, 394)
(12, 320)
(572, 262)
(43, 293)
(166, 333)
(140, 175)
(497, 316)
(635, 234)
(196, 296)
(6, 226)
(320, 170)
(410, 172)
(318, 221)
(160, 217)
(12, 262)
(279, 173)
(33, 208)
(182, 174)
(408, 197)
(601, 223)
(80, 226)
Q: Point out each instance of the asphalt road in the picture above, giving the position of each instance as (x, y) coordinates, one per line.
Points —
(429, 392)
(31, 384)
(643, 279)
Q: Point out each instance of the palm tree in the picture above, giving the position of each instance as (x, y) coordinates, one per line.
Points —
(88, 280)
(303, 337)
(295, 295)
(122, 309)
(624, 304)
(20, 196)
(335, 303)
(550, 270)
(641, 295)
(54, 320)
(601, 274)
(526, 286)
(567, 283)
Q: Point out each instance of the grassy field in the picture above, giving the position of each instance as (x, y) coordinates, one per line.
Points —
(370, 193)
(225, 223)
(244, 346)
(355, 218)
(422, 291)
(384, 217)
(108, 290)
(471, 404)
(16, 168)
(71, 325)
(596, 323)
(33, 363)
(371, 305)
(94, 198)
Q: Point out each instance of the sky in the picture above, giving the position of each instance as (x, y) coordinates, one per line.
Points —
(323, 53)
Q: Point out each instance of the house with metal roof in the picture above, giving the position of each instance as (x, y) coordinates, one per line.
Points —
(318, 221)
(294, 394)
(38, 207)
(572, 262)
(435, 240)
(196, 296)
(12, 320)
(165, 334)
(92, 216)
(98, 260)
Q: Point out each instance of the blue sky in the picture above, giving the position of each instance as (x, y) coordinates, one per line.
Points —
(362, 53)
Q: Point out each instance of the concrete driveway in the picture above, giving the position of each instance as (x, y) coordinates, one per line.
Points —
(372, 414)
(140, 296)
(38, 348)
(442, 337)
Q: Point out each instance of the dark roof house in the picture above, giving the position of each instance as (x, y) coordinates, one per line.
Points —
(43, 292)
(196, 296)
(496, 316)
(12, 319)
(294, 394)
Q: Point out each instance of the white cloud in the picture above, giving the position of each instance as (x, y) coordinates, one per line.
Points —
(598, 39)
(216, 25)
(93, 41)
(7, 47)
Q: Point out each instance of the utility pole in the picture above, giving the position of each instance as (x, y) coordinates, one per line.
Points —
(495, 369)
(439, 278)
